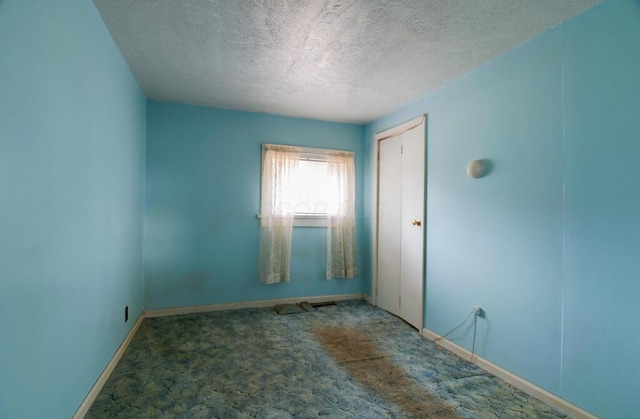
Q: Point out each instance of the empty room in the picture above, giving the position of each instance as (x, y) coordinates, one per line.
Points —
(277, 209)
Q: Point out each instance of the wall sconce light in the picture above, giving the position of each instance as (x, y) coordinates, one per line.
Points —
(475, 169)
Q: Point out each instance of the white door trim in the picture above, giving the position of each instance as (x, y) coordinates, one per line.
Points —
(400, 128)
(390, 132)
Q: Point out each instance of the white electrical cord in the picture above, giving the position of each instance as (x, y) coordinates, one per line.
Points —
(473, 313)
(475, 328)
(455, 328)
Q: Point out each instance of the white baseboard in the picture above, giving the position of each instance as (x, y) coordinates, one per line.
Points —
(518, 382)
(248, 304)
(369, 299)
(95, 390)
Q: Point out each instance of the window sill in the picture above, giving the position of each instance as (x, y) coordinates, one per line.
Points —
(308, 220)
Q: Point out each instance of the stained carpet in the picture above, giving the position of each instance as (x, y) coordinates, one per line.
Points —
(377, 372)
(350, 360)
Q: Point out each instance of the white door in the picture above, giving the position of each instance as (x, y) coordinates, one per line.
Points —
(389, 223)
(412, 244)
(401, 225)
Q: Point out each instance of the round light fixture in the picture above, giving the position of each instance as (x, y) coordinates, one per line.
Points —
(475, 169)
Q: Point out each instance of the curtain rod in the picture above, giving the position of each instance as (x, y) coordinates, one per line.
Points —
(308, 150)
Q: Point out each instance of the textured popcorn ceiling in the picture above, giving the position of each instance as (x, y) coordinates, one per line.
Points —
(336, 60)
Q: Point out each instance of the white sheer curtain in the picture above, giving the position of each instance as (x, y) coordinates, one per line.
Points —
(276, 212)
(341, 227)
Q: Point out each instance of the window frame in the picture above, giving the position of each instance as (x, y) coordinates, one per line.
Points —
(309, 154)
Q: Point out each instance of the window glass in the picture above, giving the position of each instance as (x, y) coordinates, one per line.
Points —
(312, 193)
(309, 185)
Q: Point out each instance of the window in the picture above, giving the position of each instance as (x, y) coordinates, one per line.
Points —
(314, 195)
(306, 185)
(310, 190)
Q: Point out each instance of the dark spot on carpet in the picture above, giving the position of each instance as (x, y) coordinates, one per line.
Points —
(374, 369)
(283, 309)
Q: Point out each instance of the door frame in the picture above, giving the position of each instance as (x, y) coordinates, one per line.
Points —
(391, 132)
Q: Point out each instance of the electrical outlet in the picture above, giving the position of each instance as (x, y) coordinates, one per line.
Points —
(478, 311)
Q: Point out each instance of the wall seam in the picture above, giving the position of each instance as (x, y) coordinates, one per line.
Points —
(564, 202)
(144, 206)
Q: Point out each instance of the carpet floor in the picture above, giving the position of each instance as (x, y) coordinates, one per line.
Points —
(350, 360)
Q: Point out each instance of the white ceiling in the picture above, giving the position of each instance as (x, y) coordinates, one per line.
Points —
(335, 60)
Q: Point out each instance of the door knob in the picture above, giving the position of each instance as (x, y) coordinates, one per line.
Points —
(416, 223)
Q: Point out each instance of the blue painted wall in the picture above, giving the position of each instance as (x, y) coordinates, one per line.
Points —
(548, 242)
(202, 197)
(72, 131)
(602, 335)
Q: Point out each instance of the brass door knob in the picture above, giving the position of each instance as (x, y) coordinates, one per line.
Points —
(416, 223)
